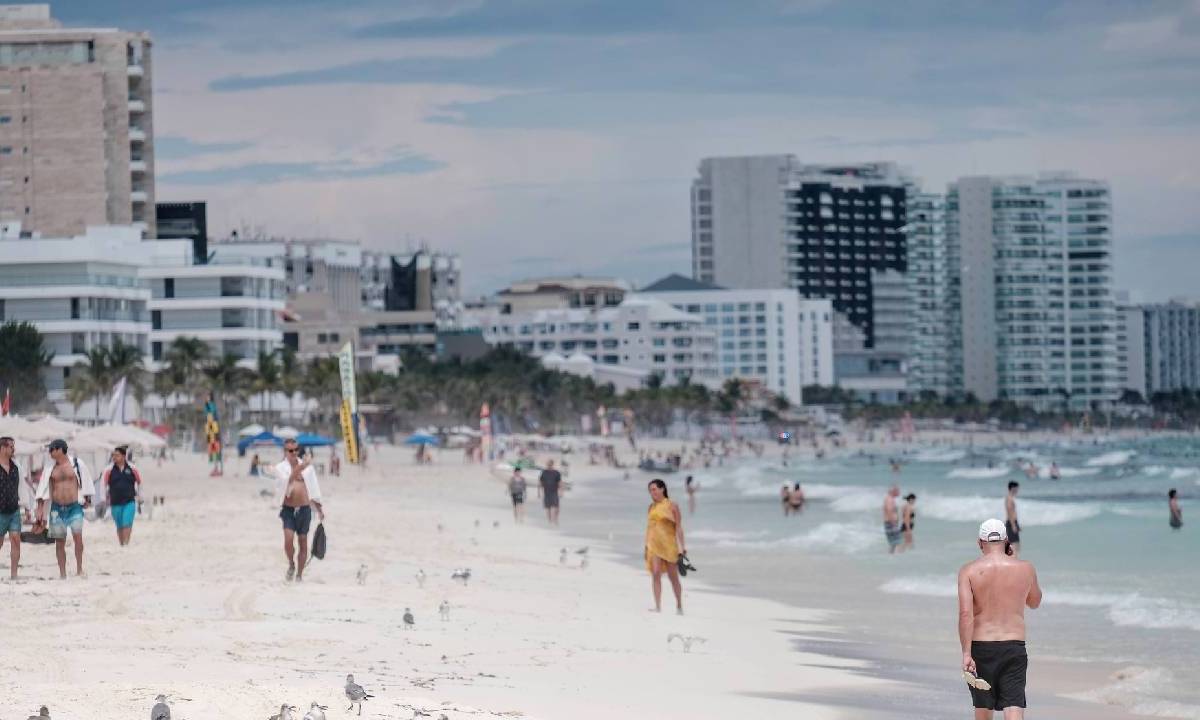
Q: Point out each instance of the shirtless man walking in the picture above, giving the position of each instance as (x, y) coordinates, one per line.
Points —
(993, 592)
(1011, 525)
(297, 491)
(69, 496)
(10, 503)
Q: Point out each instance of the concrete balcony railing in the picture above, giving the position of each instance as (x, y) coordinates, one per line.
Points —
(137, 106)
(137, 135)
(135, 71)
(137, 166)
(138, 196)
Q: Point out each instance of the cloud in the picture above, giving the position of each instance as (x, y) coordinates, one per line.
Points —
(269, 173)
(172, 147)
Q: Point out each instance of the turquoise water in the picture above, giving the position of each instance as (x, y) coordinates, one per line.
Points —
(1122, 588)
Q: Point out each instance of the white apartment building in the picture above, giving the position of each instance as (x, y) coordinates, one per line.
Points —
(233, 303)
(1131, 345)
(81, 293)
(641, 334)
(1033, 305)
(1172, 346)
(768, 337)
(929, 279)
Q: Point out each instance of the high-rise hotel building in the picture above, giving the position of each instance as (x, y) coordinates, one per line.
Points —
(773, 222)
(76, 129)
(1032, 302)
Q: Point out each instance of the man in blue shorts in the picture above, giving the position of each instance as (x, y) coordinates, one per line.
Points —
(69, 495)
(10, 503)
(122, 482)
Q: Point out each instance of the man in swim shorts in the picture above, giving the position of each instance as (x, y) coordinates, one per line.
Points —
(122, 482)
(1011, 525)
(993, 592)
(891, 519)
(69, 494)
(297, 492)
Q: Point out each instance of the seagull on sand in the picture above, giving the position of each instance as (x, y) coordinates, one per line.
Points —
(362, 574)
(316, 712)
(685, 640)
(409, 621)
(355, 694)
(582, 551)
(444, 610)
(463, 574)
(285, 713)
(43, 714)
(420, 578)
(161, 710)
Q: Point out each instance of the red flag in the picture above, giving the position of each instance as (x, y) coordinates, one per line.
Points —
(4, 407)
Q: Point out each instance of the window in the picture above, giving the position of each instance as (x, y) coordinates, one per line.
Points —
(633, 326)
(156, 351)
(322, 338)
(156, 321)
(5, 119)
(169, 288)
(74, 308)
(5, 149)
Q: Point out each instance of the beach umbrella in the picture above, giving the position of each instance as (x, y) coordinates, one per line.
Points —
(54, 427)
(260, 440)
(421, 439)
(311, 440)
(251, 430)
(15, 427)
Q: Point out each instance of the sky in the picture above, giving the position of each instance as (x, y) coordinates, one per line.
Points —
(542, 137)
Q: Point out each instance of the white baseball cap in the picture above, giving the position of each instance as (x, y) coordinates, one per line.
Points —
(993, 531)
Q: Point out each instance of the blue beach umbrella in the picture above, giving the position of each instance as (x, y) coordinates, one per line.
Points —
(421, 439)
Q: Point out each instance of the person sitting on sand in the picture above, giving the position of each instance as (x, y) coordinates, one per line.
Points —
(297, 492)
(891, 519)
(993, 592)
(69, 494)
(664, 543)
(1176, 511)
(516, 488)
(908, 515)
(796, 499)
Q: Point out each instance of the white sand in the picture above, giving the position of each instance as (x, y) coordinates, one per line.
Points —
(197, 608)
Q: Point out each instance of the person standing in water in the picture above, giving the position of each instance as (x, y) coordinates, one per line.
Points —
(908, 520)
(1176, 511)
(297, 493)
(891, 519)
(993, 592)
(664, 543)
(1012, 526)
(785, 495)
(122, 483)
(796, 499)
(690, 486)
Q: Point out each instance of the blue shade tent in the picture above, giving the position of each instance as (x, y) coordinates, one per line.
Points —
(262, 439)
(310, 440)
(421, 439)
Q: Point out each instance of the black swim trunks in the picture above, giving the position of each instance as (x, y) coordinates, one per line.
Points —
(1014, 535)
(1003, 663)
(297, 520)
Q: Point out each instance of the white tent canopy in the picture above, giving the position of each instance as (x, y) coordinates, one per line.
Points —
(251, 430)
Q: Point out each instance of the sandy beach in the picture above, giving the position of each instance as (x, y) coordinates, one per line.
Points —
(197, 608)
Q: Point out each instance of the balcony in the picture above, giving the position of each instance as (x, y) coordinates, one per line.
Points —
(137, 135)
(135, 71)
(137, 106)
(138, 196)
(137, 166)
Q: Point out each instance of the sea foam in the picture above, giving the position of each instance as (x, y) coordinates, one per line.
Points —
(978, 473)
(1110, 459)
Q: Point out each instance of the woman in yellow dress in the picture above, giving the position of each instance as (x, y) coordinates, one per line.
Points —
(664, 543)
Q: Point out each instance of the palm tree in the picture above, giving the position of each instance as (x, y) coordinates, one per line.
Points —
(22, 357)
(323, 382)
(90, 378)
(228, 382)
(290, 378)
(125, 361)
(267, 378)
(186, 357)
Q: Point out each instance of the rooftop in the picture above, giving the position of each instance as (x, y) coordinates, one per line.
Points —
(675, 282)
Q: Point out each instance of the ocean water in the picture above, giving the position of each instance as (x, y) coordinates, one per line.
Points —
(1122, 589)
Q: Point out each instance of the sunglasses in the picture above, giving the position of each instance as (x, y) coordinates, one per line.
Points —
(290, 451)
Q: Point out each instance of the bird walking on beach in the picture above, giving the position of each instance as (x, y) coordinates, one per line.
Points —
(582, 551)
(444, 610)
(463, 574)
(562, 556)
(43, 714)
(285, 713)
(161, 710)
(685, 640)
(362, 574)
(355, 694)
(420, 578)
(409, 621)
(316, 712)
